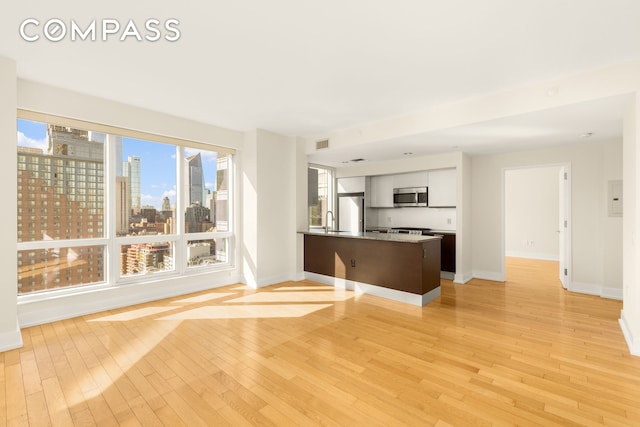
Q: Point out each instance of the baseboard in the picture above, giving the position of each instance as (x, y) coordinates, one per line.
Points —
(379, 291)
(74, 305)
(462, 278)
(488, 275)
(612, 293)
(595, 289)
(447, 275)
(10, 340)
(585, 288)
(632, 342)
(543, 257)
(268, 281)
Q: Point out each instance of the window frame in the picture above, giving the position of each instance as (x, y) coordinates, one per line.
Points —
(331, 192)
(110, 241)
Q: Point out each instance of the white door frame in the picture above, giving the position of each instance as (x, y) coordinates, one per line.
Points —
(565, 167)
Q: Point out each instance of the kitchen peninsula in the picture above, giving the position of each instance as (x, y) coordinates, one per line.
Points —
(402, 267)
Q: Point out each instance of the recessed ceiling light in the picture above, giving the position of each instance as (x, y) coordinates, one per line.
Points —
(586, 135)
(357, 160)
(455, 147)
(408, 153)
(345, 161)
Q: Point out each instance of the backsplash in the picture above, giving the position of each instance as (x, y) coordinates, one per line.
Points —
(435, 218)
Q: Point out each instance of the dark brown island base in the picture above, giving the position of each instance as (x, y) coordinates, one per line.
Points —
(397, 266)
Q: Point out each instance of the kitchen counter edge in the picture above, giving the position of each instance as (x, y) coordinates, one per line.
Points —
(392, 237)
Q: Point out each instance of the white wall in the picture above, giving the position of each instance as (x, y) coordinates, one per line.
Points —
(269, 209)
(612, 226)
(302, 209)
(630, 316)
(9, 331)
(276, 208)
(588, 217)
(531, 212)
(434, 218)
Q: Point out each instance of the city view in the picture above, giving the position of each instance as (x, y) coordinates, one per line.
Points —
(62, 183)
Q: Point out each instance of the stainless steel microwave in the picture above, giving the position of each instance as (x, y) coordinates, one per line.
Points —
(411, 196)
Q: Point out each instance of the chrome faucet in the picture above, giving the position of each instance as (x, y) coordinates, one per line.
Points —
(333, 219)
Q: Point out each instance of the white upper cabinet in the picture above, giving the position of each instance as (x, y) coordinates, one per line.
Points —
(442, 188)
(381, 191)
(354, 184)
(411, 179)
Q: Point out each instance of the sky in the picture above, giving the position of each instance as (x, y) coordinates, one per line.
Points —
(158, 162)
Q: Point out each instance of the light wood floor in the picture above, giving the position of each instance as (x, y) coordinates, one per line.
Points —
(523, 352)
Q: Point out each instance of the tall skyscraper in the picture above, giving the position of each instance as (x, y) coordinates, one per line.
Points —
(123, 209)
(166, 204)
(133, 172)
(195, 180)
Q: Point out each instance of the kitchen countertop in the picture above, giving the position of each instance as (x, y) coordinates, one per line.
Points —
(391, 237)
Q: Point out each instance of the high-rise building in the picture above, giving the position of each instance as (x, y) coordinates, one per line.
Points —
(194, 180)
(220, 215)
(166, 204)
(61, 197)
(123, 209)
(133, 168)
(197, 219)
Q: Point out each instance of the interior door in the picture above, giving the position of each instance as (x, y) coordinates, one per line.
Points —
(562, 224)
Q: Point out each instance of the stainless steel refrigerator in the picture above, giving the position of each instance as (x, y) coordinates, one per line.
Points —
(350, 212)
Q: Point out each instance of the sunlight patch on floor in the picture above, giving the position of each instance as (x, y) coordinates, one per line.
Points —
(134, 314)
(295, 297)
(203, 298)
(247, 312)
(304, 288)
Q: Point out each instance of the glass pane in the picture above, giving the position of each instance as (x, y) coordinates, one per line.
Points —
(146, 258)
(207, 252)
(60, 183)
(44, 269)
(206, 186)
(145, 187)
(320, 195)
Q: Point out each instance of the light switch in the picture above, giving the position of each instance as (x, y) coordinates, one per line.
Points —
(615, 198)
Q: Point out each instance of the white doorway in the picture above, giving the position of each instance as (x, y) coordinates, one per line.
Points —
(536, 215)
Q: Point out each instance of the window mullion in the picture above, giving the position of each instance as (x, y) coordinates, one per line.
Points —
(112, 261)
(180, 250)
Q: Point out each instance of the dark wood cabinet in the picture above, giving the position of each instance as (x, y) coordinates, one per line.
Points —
(447, 251)
(409, 267)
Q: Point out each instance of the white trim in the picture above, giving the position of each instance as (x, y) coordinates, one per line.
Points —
(119, 131)
(10, 340)
(568, 239)
(379, 291)
(595, 289)
(494, 276)
(632, 342)
(447, 275)
(612, 293)
(585, 288)
(529, 255)
(268, 281)
(462, 278)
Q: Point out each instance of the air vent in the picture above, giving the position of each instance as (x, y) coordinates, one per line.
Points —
(320, 145)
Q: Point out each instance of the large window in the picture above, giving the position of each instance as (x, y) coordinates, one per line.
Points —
(321, 194)
(99, 207)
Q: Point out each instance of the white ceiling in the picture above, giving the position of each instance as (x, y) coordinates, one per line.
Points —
(304, 68)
